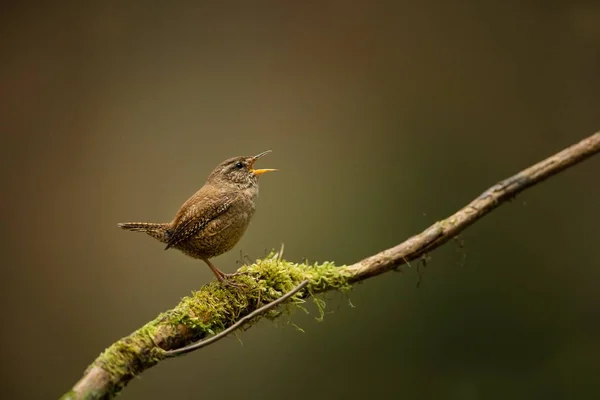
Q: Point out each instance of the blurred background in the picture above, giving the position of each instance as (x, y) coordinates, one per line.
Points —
(383, 117)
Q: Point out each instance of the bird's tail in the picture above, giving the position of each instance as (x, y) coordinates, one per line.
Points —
(156, 230)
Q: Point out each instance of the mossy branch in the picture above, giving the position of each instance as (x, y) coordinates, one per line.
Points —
(214, 308)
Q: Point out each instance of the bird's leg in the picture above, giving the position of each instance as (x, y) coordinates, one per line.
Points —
(221, 276)
(218, 273)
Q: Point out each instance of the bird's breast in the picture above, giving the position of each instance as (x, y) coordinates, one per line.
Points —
(222, 233)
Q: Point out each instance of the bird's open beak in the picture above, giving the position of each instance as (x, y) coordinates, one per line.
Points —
(259, 171)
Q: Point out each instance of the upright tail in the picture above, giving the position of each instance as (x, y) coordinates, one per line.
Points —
(156, 230)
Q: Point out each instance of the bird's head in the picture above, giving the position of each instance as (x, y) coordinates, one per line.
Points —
(239, 171)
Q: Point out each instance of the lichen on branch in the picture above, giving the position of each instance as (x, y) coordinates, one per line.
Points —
(214, 308)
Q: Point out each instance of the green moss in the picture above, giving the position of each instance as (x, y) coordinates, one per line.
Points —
(131, 355)
(215, 307)
(71, 395)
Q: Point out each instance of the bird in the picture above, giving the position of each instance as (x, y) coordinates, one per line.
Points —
(213, 220)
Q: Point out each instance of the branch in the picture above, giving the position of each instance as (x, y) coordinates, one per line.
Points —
(238, 324)
(214, 309)
(442, 231)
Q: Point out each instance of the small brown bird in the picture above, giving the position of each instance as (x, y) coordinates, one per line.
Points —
(214, 219)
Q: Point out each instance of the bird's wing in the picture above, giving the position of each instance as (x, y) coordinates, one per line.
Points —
(198, 215)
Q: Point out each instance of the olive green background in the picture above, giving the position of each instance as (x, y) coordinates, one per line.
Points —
(383, 117)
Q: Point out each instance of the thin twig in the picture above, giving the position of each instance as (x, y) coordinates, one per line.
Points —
(444, 230)
(238, 324)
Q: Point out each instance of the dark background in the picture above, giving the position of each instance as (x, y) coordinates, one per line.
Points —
(382, 117)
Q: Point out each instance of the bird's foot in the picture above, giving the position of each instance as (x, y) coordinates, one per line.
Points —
(235, 274)
(228, 280)
(225, 279)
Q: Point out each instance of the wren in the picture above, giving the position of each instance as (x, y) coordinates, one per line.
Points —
(214, 219)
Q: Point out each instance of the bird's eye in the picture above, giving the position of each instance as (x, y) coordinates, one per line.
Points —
(239, 165)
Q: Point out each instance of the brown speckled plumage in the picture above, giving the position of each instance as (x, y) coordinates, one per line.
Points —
(214, 219)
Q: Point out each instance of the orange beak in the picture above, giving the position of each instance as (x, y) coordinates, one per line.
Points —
(259, 171)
